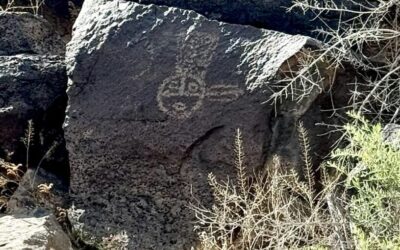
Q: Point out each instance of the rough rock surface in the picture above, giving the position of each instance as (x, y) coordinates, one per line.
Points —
(36, 233)
(155, 97)
(32, 82)
(268, 14)
(60, 14)
(391, 134)
(27, 33)
(33, 88)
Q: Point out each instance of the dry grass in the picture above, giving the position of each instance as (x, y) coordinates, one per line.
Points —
(302, 77)
(356, 205)
(367, 37)
(33, 7)
(275, 211)
(10, 176)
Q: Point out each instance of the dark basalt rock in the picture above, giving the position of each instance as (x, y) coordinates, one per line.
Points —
(27, 33)
(268, 14)
(155, 97)
(60, 15)
(32, 87)
(33, 83)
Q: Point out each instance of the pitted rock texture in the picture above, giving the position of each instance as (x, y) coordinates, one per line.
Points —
(39, 233)
(27, 33)
(33, 83)
(155, 96)
(32, 87)
(59, 14)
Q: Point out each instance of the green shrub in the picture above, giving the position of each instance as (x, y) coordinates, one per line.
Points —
(371, 168)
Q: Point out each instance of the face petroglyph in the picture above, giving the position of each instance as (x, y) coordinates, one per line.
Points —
(184, 92)
(180, 95)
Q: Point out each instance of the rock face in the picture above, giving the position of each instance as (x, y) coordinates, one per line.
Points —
(39, 233)
(155, 97)
(269, 14)
(59, 14)
(33, 82)
(26, 33)
(391, 134)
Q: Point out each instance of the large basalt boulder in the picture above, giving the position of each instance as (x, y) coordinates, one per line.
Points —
(33, 83)
(155, 96)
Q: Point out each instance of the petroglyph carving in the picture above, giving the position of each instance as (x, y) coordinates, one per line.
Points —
(184, 92)
(180, 95)
(223, 93)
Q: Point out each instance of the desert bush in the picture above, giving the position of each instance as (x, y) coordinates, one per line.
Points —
(357, 207)
(365, 37)
(371, 167)
(119, 241)
(10, 176)
(273, 211)
(83, 239)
